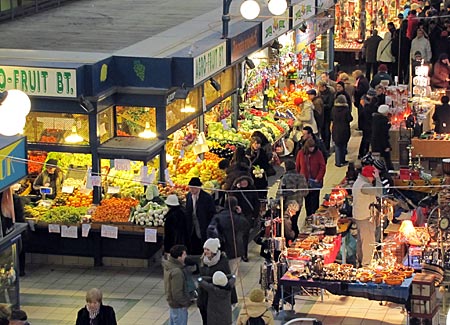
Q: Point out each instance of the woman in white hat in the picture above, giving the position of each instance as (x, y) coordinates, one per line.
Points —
(175, 230)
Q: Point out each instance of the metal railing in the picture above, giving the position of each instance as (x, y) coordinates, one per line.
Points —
(12, 9)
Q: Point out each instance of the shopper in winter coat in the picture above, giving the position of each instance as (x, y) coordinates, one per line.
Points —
(361, 88)
(318, 108)
(211, 261)
(290, 226)
(348, 86)
(306, 117)
(231, 225)
(219, 296)
(175, 231)
(239, 166)
(382, 74)
(413, 23)
(403, 56)
(421, 44)
(384, 52)
(255, 307)
(294, 187)
(245, 192)
(311, 164)
(175, 285)
(327, 96)
(200, 208)
(370, 50)
(380, 134)
(441, 116)
(341, 116)
(365, 119)
(95, 312)
(341, 91)
(259, 158)
(441, 72)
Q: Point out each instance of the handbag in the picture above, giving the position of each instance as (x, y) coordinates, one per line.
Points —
(313, 184)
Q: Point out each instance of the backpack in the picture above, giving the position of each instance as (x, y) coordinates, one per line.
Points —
(214, 230)
(256, 320)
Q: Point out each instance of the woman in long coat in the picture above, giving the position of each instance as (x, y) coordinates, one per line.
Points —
(340, 131)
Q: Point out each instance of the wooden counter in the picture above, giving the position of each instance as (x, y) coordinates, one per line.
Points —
(431, 148)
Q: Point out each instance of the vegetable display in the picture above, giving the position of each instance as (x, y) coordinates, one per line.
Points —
(114, 210)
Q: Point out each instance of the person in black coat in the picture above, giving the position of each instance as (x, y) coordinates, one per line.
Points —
(175, 232)
(370, 53)
(365, 118)
(244, 190)
(258, 157)
(340, 90)
(239, 166)
(361, 88)
(95, 312)
(341, 116)
(441, 116)
(380, 135)
(200, 209)
(326, 93)
(403, 53)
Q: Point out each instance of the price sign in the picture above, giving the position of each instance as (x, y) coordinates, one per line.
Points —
(181, 153)
(85, 227)
(150, 235)
(109, 231)
(225, 124)
(67, 189)
(151, 177)
(69, 232)
(113, 189)
(144, 170)
(122, 164)
(53, 228)
(167, 177)
(96, 180)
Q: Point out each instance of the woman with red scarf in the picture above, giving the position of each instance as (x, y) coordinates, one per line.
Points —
(311, 164)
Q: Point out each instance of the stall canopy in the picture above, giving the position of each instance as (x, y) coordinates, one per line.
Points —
(130, 148)
(13, 166)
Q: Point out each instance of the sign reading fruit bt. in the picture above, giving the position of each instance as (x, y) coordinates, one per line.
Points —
(210, 62)
(39, 81)
(274, 27)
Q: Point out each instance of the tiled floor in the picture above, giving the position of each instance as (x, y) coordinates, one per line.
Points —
(53, 294)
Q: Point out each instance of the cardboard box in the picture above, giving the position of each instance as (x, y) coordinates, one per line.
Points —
(423, 285)
(423, 305)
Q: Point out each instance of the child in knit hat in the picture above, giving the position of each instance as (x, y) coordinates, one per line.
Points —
(219, 297)
(255, 307)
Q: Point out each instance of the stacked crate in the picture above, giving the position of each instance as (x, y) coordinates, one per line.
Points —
(424, 306)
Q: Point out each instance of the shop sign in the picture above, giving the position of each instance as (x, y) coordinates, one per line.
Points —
(46, 82)
(245, 43)
(210, 62)
(324, 4)
(12, 165)
(302, 11)
(274, 27)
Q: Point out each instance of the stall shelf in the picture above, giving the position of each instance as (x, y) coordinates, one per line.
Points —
(431, 148)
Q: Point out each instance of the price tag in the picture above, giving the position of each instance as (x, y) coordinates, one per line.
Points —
(122, 164)
(96, 180)
(151, 177)
(198, 159)
(167, 177)
(53, 228)
(69, 232)
(181, 153)
(144, 170)
(67, 189)
(109, 231)
(113, 189)
(225, 124)
(85, 227)
(150, 235)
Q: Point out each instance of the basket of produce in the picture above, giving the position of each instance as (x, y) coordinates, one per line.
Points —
(393, 280)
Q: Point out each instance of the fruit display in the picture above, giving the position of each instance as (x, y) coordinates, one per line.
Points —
(149, 213)
(114, 210)
(223, 152)
(66, 160)
(127, 180)
(217, 132)
(179, 190)
(36, 161)
(30, 211)
(63, 215)
(76, 183)
(76, 199)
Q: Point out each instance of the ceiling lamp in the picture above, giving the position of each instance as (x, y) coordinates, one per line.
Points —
(277, 7)
(187, 107)
(74, 137)
(250, 9)
(147, 133)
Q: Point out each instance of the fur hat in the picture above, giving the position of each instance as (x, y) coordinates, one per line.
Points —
(213, 244)
(195, 181)
(383, 109)
(172, 200)
(368, 171)
(219, 279)
(256, 295)
(340, 101)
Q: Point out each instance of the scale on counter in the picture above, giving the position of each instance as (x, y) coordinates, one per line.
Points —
(44, 190)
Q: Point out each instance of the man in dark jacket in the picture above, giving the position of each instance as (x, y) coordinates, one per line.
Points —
(245, 192)
(230, 224)
(441, 116)
(380, 135)
(365, 120)
(361, 88)
(307, 134)
(200, 209)
(174, 285)
(380, 76)
(327, 95)
(403, 53)
(318, 108)
(370, 51)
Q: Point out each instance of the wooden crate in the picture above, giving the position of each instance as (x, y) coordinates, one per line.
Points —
(425, 319)
(423, 285)
(423, 305)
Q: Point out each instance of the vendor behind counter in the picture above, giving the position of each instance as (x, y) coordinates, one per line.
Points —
(441, 116)
(52, 177)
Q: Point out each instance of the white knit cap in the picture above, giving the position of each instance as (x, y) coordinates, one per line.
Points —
(213, 244)
(383, 109)
(219, 279)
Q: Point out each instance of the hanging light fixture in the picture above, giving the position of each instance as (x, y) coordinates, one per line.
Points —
(147, 133)
(277, 7)
(187, 107)
(74, 137)
(250, 9)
